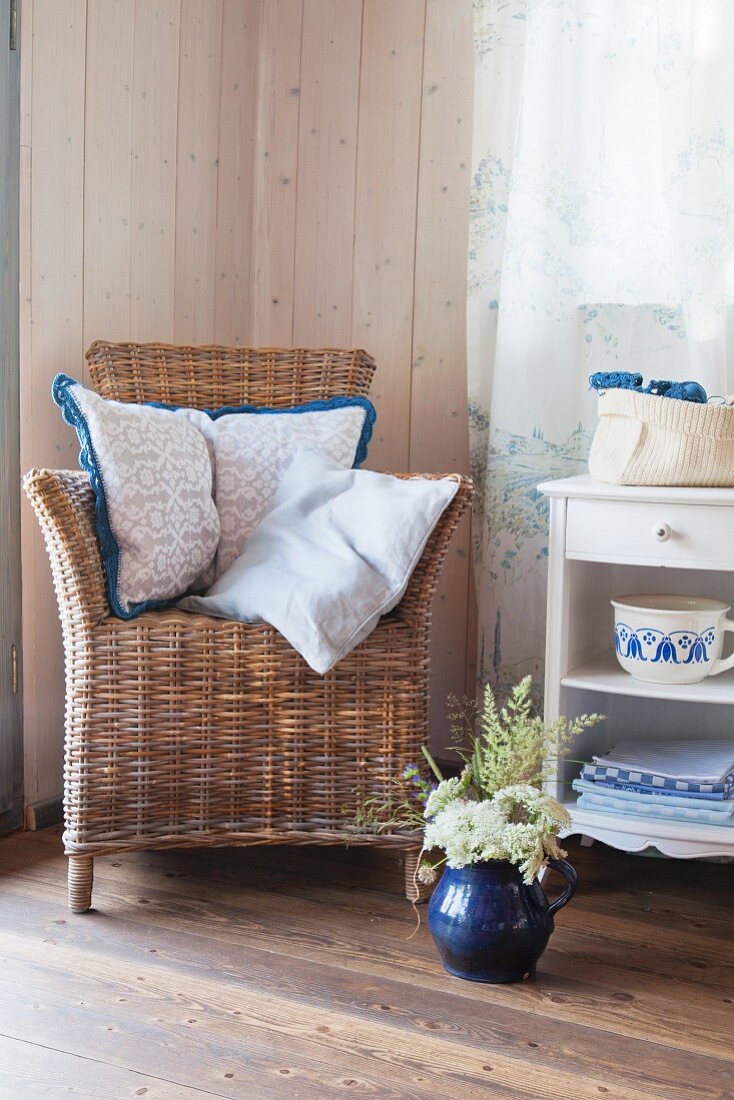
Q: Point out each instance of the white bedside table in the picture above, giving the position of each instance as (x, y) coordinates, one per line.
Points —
(607, 540)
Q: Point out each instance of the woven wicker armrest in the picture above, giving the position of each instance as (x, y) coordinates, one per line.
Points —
(64, 504)
(416, 603)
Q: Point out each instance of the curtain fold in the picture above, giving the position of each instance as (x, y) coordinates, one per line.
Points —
(602, 238)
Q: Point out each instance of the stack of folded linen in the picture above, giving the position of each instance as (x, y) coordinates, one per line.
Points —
(678, 780)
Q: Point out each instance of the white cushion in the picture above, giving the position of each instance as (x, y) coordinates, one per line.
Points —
(334, 552)
(157, 523)
(250, 448)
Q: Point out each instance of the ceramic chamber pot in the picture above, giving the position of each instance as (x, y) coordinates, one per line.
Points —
(671, 639)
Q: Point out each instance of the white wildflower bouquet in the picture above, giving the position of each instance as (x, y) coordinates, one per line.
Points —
(494, 810)
(518, 823)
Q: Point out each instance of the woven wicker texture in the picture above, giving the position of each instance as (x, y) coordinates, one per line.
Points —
(183, 730)
(214, 376)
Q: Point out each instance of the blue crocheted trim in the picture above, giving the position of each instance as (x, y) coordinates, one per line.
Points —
(73, 415)
(324, 405)
(627, 380)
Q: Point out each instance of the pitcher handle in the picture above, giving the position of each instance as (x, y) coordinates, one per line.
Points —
(726, 662)
(564, 868)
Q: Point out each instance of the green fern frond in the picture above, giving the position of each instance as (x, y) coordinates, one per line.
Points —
(511, 744)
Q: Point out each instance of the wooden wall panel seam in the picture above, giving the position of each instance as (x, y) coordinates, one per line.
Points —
(26, 70)
(415, 233)
(197, 171)
(153, 169)
(107, 246)
(130, 227)
(177, 145)
(327, 170)
(298, 169)
(83, 369)
(235, 264)
(385, 214)
(439, 428)
(356, 169)
(276, 171)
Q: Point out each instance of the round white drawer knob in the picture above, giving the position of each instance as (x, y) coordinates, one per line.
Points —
(662, 532)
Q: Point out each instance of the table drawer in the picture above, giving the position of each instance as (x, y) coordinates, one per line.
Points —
(659, 534)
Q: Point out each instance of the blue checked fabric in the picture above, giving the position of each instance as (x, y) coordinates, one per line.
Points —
(609, 773)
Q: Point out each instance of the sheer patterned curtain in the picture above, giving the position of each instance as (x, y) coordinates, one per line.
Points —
(602, 238)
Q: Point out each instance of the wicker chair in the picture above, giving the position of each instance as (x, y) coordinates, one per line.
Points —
(186, 731)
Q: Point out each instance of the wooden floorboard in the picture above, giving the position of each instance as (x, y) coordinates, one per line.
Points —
(278, 973)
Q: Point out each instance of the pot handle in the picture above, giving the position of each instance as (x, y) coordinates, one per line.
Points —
(723, 663)
(564, 868)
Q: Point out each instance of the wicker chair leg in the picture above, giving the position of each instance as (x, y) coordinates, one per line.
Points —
(415, 891)
(81, 874)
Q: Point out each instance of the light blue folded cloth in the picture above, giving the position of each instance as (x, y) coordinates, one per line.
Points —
(666, 812)
(662, 799)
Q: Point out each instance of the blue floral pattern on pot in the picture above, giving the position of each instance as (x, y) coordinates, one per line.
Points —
(679, 647)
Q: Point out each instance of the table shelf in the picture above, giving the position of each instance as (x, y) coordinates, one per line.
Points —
(603, 673)
(682, 839)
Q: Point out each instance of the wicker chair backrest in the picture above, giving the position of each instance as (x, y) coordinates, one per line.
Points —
(210, 377)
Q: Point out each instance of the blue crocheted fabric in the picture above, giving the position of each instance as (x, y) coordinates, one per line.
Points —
(627, 380)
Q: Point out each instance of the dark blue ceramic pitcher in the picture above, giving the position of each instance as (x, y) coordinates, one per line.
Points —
(488, 925)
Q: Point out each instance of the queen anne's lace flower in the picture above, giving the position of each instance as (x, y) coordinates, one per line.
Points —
(426, 874)
(446, 792)
(536, 807)
(518, 824)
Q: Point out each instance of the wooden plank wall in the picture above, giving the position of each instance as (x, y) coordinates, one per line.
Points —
(11, 742)
(246, 171)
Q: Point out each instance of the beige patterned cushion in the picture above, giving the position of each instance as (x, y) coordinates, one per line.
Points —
(251, 448)
(150, 471)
